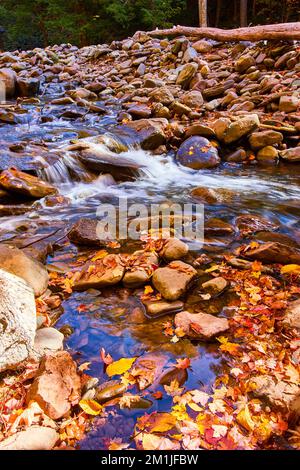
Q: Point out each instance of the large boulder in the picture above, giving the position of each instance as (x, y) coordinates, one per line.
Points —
(17, 320)
(173, 280)
(240, 128)
(27, 185)
(32, 438)
(201, 325)
(8, 77)
(102, 272)
(57, 385)
(197, 152)
(17, 262)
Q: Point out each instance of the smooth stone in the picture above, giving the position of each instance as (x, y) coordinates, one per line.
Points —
(33, 438)
(172, 281)
(198, 153)
(202, 326)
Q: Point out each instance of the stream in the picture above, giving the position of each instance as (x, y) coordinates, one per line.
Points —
(113, 318)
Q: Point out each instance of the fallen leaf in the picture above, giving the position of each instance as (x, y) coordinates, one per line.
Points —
(120, 366)
(90, 407)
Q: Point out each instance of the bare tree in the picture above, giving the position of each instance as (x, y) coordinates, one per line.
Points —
(243, 13)
(202, 13)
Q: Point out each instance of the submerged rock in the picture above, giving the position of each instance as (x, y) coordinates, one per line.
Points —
(173, 280)
(201, 325)
(17, 320)
(273, 252)
(57, 385)
(198, 153)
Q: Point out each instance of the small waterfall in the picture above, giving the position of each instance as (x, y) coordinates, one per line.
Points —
(65, 170)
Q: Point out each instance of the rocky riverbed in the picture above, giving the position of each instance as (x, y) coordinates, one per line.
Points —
(152, 343)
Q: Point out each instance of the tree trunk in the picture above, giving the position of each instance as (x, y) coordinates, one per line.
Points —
(218, 13)
(281, 31)
(243, 13)
(202, 13)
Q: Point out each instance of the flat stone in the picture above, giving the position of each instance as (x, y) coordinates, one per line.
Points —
(273, 252)
(25, 184)
(158, 308)
(201, 325)
(103, 272)
(57, 385)
(172, 281)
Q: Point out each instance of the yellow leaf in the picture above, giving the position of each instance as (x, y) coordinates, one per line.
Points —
(121, 366)
(99, 255)
(161, 422)
(195, 407)
(90, 407)
(290, 269)
(245, 420)
(148, 290)
(213, 268)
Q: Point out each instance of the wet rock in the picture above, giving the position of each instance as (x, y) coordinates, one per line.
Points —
(291, 155)
(180, 109)
(248, 224)
(215, 226)
(212, 196)
(180, 375)
(27, 185)
(172, 281)
(243, 63)
(258, 140)
(220, 127)
(198, 153)
(199, 129)
(33, 438)
(267, 154)
(47, 340)
(158, 308)
(109, 390)
(193, 99)
(201, 325)
(18, 263)
(214, 286)
(20, 161)
(139, 268)
(266, 236)
(57, 385)
(283, 394)
(273, 252)
(186, 74)
(289, 104)
(100, 273)
(17, 320)
(84, 232)
(292, 315)
(237, 156)
(173, 249)
(240, 128)
(150, 132)
(9, 77)
(83, 94)
(28, 87)
(139, 111)
(162, 95)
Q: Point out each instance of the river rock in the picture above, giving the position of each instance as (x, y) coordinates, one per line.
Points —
(150, 132)
(291, 155)
(201, 325)
(288, 104)
(9, 77)
(199, 129)
(27, 185)
(292, 315)
(214, 286)
(213, 196)
(84, 232)
(240, 128)
(281, 394)
(186, 74)
(250, 223)
(202, 46)
(267, 154)
(47, 340)
(217, 227)
(243, 63)
(33, 438)
(258, 140)
(57, 385)
(162, 95)
(173, 249)
(197, 152)
(158, 308)
(28, 87)
(273, 252)
(18, 263)
(17, 320)
(193, 99)
(139, 268)
(172, 281)
(103, 272)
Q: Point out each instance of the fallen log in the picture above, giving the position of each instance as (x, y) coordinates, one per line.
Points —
(281, 31)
